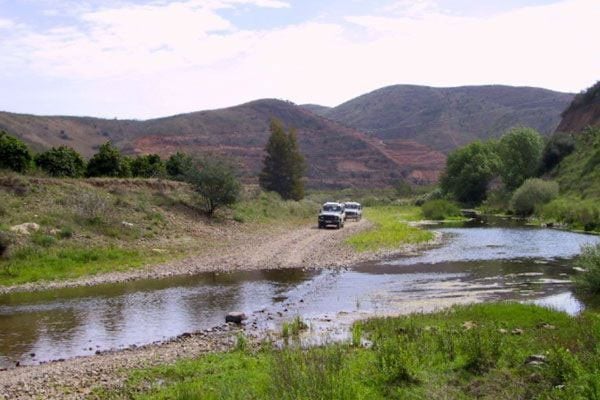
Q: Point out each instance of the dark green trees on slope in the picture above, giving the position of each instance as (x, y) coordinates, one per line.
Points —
(283, 165)
(61, 161)
(520, 150)
(14, 154)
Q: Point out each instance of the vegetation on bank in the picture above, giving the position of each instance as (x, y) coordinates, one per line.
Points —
(499, 351)
(392, 229)
(92, 226)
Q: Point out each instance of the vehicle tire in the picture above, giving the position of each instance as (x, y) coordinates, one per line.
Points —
(339, 225)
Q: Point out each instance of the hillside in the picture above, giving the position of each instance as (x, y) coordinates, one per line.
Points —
(584, 111)
(445, 118)
(337, 156)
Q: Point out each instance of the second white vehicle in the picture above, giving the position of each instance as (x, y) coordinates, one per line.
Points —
(353, 210)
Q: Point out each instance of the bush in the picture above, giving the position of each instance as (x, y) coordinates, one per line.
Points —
(440, 209)
(108, 162)
(14, 154)
(589, 280)
(215, 180)
(178, 165)
(533, 193)
(580, 214)
(148, 166)
(61, 162)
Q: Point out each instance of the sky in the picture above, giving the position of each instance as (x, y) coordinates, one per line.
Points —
(145, 59)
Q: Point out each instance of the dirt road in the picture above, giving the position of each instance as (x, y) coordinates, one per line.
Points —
(303, 246)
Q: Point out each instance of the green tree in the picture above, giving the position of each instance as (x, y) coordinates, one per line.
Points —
(178, 164)
(284, 165)
(215, 181)
(108, 161)
(469, 171)
(520, 151)
(61, 161)
(14, 154)
(148, 166)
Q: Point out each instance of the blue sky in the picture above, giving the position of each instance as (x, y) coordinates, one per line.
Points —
(143, 59)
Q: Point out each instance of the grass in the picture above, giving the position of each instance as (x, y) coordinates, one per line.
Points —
(391, 229)
(33, 264)
(259, 207)
(467, 352)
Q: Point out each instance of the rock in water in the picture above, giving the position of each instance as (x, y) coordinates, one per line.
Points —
(235, 317)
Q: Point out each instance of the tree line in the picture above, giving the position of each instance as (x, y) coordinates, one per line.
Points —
(511, 165)
(214, 178)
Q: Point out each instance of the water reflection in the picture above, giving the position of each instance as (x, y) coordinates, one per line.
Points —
(476, 264)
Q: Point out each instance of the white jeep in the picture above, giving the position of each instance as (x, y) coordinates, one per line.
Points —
(353, 210)
(332, 214)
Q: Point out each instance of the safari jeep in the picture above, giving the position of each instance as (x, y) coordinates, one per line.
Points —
(353, 210)
(332, 214)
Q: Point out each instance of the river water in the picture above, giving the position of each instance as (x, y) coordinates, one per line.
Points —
(474, 264)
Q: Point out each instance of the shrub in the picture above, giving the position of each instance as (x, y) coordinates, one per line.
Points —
(440, 209)
(148, 166)
(108, 162)
(581, 214)
(178, 165)
(533, 193)
(589, 280)
(14, 154)
(214, 179)
(61, 162)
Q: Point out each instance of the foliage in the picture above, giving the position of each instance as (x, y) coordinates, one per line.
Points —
(575, 212)
(108, 161)
(589, 280)
(533, 193)
(391, 229)
(61, 161)
(557, 148)
(440, 209)
(215, 181)
(178, 165)
(579, 173)
(148, 166)
(403, 188)
(14, 154)
(284, 164)
(466, 352)
(468, 172)
(520, 151)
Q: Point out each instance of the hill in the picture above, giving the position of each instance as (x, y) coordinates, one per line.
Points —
(446, 118)
(337, 156)
(316, 109)
(584, 111)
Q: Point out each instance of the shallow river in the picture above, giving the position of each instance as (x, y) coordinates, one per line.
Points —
(475, 264)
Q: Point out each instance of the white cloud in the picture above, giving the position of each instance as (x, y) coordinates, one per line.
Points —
(5, 23)
(169, 57)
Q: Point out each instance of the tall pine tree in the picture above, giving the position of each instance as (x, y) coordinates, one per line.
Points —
(284, 164)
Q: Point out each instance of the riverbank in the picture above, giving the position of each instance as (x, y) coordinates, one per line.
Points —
(500, 351)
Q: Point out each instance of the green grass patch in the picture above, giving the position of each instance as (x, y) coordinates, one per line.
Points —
(391, 229)
(467, 352)
(268, 207)
(33, 264)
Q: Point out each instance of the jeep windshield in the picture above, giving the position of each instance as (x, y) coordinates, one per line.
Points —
(352, 206)
(332, 208)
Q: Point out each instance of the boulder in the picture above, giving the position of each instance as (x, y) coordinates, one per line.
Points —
(25, 229)
(235, 317)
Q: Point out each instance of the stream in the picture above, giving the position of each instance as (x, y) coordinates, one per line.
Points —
(474, 264)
